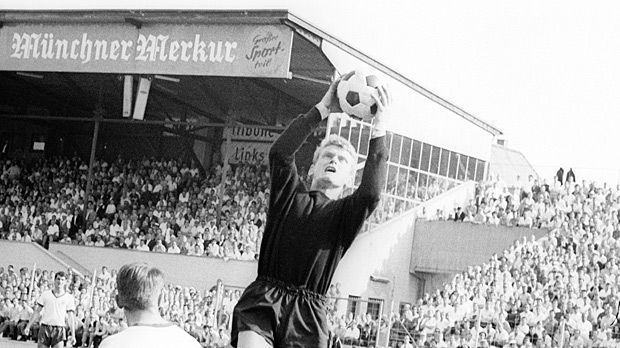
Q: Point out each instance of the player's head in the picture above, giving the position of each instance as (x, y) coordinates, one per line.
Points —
(60, 280)
(138, 286)
(334, 163)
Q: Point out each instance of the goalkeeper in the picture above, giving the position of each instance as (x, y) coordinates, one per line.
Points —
(308, 231)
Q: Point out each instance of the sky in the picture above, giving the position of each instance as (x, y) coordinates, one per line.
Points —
(546, 73)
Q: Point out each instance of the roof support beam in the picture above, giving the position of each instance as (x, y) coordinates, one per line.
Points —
(128, 121)
(187, 134)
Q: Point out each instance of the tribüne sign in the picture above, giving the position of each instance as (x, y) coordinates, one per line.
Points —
(222, 50)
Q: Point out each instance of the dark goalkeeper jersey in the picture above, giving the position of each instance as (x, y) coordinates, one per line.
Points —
(307, 233)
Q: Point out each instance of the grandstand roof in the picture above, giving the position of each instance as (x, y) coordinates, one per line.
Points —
(509, 164)
(208, 96)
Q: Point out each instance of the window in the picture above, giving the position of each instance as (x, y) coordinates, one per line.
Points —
(365, 141)
(443, 163)
(471, 168)
(405, 154)
(335, 129)
(426, 157)
(395, 149)
(480, 170)
(390, 183)
(435, 160)
(352, 304)
(454, 163)
(462, 169)
(374, 307)
(444, 185)
(412, 184)
(389, 137)
(345, 130)
(415, 155)
(355, 135)
(401, 185)
(422, 181)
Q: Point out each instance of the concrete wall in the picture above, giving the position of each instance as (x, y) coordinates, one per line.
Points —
(408, 257)
(384, 254)
(448, 246)
(21, 254)
(200, 272)
(403, 257)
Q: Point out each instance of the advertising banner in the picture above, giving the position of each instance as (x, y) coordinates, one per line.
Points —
(248, 152)
(215, 50)
(249, 144)
(250, 133)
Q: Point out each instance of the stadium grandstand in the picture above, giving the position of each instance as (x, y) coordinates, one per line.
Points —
(105, 161)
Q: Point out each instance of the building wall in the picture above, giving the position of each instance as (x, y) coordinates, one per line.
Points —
(382, 253)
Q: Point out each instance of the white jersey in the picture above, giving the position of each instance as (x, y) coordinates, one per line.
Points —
(152, 337)
(55, 308)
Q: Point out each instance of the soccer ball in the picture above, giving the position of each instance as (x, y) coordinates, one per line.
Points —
(355, 95)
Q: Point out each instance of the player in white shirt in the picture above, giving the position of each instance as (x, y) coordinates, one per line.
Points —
(139, 286)
(56, 310)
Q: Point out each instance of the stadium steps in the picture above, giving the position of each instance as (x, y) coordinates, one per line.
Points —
(71, 264)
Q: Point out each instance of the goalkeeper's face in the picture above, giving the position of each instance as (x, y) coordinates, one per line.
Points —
(333, 168)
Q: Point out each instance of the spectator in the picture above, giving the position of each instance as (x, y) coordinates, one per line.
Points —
(570, 176)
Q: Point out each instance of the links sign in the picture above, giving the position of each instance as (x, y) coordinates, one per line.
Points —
(216, 50)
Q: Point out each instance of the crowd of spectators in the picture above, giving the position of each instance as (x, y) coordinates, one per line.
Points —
(149, 205)
(204, 314)
(532, 204)
(562, 289)
(156, 205)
